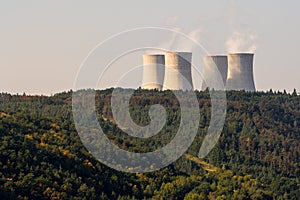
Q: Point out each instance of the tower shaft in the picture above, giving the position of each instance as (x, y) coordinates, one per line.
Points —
(153, 71)
(215, 72)
(240, 72)
(178, 74)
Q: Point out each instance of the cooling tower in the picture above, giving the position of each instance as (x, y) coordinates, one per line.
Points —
(153, 71)
(178, 75)
(240, 72)
(215, 72)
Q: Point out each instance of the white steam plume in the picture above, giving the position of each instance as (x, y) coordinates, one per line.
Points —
(177, 42)
(242, 39)
(242, 42)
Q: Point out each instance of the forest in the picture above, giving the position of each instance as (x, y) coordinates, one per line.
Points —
(256, 157)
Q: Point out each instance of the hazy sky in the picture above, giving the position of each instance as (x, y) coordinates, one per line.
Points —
(43, 43)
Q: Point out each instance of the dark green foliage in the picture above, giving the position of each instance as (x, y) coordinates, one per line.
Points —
(257, 156)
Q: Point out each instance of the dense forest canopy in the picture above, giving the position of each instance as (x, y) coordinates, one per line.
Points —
(256, 157)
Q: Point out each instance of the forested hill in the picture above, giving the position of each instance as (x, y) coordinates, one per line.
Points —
(256, 157)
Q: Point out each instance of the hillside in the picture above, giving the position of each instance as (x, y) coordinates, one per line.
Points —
(256, 157)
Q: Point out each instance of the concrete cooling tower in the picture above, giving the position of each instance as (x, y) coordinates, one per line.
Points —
(215, 72)
(240, 72)
(178, 74)
(153, 71)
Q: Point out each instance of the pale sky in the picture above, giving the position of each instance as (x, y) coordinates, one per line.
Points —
(43, 43)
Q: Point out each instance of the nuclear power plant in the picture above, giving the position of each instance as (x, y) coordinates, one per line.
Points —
(172, 71)
(240, 72)
(153, 71)
(215, 72)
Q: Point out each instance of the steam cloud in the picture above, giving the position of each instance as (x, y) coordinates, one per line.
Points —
(178, 42)
(242, 42)
(241, 39)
